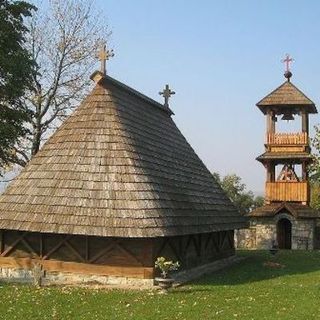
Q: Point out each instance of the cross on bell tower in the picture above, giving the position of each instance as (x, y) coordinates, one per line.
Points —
(167, 93)
(103, 56)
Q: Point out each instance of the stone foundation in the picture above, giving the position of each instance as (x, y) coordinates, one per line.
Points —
(63, 278)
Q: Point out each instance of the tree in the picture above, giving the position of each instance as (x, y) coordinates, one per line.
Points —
(16, 67)
(235, 189)
(63, 40)
(315, 194)
(314, 170)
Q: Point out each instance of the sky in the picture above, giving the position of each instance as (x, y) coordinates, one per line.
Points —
(221, 58)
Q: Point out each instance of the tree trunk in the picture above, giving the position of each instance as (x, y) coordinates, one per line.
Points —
(36, 140)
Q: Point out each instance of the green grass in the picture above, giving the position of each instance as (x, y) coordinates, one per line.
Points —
(248, 290)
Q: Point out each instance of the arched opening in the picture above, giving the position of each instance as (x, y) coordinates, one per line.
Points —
(284, 233)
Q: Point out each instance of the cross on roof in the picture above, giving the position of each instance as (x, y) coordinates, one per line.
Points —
(287, 62)
(103, 56)
(167, 93)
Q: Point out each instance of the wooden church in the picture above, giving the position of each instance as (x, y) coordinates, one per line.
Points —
(286, 220)
(115, 187)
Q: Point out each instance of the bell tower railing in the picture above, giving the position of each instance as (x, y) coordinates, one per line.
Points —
(300, 138)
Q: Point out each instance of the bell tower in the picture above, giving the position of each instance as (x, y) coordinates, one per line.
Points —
(285, 221)
(285, 153)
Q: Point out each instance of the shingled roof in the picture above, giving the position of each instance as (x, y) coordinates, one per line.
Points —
(280, 156)
(298, 210)
(287, 95)
(118, 166)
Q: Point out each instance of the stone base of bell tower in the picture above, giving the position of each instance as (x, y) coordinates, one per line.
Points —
(289, 226)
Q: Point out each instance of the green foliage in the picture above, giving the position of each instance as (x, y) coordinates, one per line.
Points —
(314, 169)
(315, 194)
(248, 290)
(236, 190)
(166, 266)
(15, 75)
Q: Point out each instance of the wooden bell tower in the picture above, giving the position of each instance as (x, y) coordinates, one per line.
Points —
(286, 152)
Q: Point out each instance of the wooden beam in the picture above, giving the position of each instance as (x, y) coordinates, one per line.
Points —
(102, 252)
(271, 172)
(305, 122)
(273, 122)
(1, 241)
(208, 240)
(10, 248)
(29, 247)
(87, 249)
(304, 171)
(41, 245)
(80, 268)
(270, 122)
(163, 245)
(147, 254)
(215, 241)
(55, 248)
(197, 245)
(224, 236)
(187, 245)
(69, 245)
(231, 239)
(128, 253)
(175, 251)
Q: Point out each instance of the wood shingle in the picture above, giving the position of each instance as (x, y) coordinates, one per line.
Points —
(119, 167)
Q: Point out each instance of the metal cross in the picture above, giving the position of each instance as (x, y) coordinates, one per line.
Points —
(103, 56)
(287, 62)
(167, 93)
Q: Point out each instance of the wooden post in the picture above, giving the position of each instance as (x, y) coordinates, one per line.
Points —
(1, 241)
(269, 121)
(87, 249)
(270, 172)
(305, 121)
(304, 171)
(41, 245)
(273, 124)
(273, 172)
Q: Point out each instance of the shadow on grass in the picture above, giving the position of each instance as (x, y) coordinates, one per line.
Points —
(261, 265)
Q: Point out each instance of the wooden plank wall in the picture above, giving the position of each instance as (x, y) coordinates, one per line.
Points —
(287, 191)
(110, 256)
(195, 250)
(79, 254)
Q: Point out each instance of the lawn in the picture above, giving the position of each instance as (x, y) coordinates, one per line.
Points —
(251, 289)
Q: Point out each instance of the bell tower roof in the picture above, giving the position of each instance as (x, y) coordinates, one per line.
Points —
(287, 96)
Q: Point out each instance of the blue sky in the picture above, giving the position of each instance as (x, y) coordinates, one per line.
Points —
(221, 57)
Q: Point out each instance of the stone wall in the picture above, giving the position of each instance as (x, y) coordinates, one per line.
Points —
(64, 278)
(303, 233)
(263, 231)
(259, 235)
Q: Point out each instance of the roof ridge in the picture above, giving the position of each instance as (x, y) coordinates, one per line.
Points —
(135, 92)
